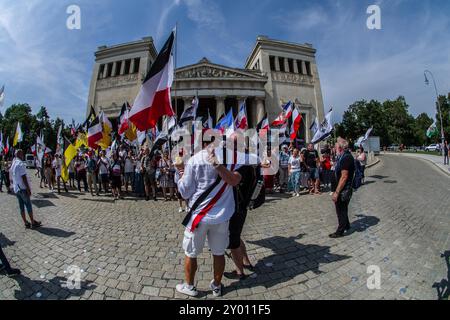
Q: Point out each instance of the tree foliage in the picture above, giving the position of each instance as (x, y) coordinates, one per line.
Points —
(391, 121)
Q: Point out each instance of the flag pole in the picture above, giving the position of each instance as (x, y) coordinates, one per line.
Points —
(175, 68)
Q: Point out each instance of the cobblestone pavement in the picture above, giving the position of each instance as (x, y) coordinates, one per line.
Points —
(131, 249)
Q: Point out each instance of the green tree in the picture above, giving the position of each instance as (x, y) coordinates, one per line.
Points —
(445, 108)
(400, 124)
(360, 117)
(19, 113)
(421, 125)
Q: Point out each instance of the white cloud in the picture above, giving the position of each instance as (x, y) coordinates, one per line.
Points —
(35, 59)
(162, 25)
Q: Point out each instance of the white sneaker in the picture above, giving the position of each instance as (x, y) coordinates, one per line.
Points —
(187, 290)
(180, 210)
(297, 194)
(217, 291)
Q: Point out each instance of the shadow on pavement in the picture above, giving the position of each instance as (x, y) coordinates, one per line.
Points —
(290, 259)
(53, 232)
(443, 287)
(68, 195)
(42, 290)
(277, 196)
(42, 203)
(99, 200)
(363, 223)
(46, 195)
(379, 177)
(5, 242)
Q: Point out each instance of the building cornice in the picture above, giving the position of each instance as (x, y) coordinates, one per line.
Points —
(146, 44)
(263, 42)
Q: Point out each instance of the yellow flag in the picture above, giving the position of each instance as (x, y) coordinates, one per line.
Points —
(105, 142)
(81, 141)
(131, 133)
(69, 154)
(64, 172)
(18, 136)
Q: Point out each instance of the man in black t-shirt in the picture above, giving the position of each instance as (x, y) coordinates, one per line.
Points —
(312, 161)
(345, 172)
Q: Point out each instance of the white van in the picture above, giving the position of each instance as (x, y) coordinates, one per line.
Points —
(30, 161)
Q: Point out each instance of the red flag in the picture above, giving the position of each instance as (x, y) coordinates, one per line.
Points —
(296, 121)
(95, 133)
(153, 100)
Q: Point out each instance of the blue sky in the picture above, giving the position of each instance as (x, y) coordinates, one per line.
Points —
(44, 63)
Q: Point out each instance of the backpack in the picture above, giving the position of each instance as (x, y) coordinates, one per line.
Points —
(357, 180)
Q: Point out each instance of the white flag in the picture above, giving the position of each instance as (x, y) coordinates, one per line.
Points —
(2, 96)
(325, 130)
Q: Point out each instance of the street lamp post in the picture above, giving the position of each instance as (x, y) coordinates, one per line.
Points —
(427, 82)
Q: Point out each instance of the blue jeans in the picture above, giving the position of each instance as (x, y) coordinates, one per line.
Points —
(24, 201)
(294, 181)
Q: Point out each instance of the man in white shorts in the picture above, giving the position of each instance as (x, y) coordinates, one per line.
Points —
(212, 205)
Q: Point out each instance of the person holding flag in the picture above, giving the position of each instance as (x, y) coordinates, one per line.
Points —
(57, 166)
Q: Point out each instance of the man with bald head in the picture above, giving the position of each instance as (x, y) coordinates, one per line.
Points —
(22, 190)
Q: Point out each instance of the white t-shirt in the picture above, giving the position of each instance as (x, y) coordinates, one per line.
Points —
(57, 166)
(129, 165)
(295, 163)
(103, 169)
(198, 176)
(18, 170)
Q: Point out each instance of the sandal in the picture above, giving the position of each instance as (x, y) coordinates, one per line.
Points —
(234, 275)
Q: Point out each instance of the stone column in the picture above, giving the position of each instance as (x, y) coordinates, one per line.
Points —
(260, 109)
(132, 66)
(295, 66)
(122, 68)
(277, 64)
(308, 137)
(286, 65)
(220, 107)
(105, 71)
(304, 67)
(114, 68)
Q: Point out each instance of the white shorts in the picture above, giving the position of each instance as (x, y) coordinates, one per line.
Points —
(218, 239)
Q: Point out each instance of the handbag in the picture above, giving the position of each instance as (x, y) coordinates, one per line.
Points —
(346, 195)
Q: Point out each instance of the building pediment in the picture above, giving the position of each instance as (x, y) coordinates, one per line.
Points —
(207, 70)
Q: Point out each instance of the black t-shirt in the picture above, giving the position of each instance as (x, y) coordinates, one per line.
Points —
(311, 158)
(346, 162)
(245, 187)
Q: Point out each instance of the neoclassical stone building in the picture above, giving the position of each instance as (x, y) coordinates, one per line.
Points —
(275, 72)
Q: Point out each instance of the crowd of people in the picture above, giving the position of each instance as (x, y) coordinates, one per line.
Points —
(125, 172)
(215, 196)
